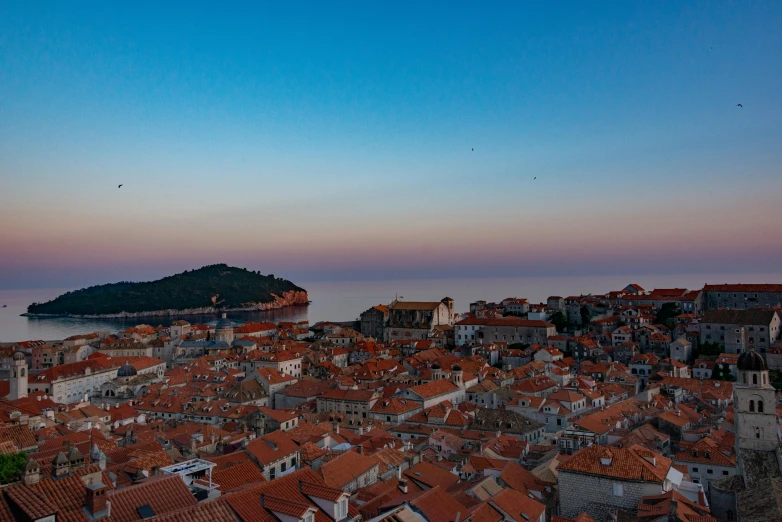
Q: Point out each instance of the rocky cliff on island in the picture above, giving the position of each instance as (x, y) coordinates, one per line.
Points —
(208, 290)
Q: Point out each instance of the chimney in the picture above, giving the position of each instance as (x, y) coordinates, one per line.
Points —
(403, 485)
(360, 449)
(97, 504)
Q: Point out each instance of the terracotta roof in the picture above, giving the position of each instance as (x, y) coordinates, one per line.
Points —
(438, 506)
(212, 511)
(761, 288)
(741, 317)
(272, 447)
(517, 505)
(434, 388)
(620, 463)
(163, 494)
(430, 475)
(248, 506)
(33, 504)
(394, 406)
(238, 475)
(415, 305)
(320, 491)
(347, 467)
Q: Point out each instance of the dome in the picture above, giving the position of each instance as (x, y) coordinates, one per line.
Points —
(18, 356)
(751, 361)
(435, 366)
(456, 368)
(126, 370)
(223, 323)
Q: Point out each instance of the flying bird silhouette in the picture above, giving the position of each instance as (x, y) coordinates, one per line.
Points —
(473, 150)
(119, 186)
(740, 105)
(535, 177)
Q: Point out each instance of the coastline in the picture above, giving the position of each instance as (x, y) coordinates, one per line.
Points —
(295, 298)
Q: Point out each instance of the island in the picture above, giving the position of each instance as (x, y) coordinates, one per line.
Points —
(207, 290)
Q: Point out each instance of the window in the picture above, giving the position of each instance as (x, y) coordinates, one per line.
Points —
(760, 406)
(618, 490)
(751, 405)
(709, 471)
(342, 509)
(724, 472)
(308, 517)
(695, 470)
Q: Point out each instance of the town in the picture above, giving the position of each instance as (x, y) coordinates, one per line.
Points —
(650, 405)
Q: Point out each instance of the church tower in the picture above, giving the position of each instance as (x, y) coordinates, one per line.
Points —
(18, 376)
(224, 330)
(754, 404)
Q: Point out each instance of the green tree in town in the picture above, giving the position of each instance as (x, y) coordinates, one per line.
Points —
(11, 466)
(559, 319)
(667, 313)
(586, 315)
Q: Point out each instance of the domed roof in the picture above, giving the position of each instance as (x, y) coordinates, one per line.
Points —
(435, 366)
(456, 368)
(126, 370)
(223, 323)
(18, 356)
(751, 361)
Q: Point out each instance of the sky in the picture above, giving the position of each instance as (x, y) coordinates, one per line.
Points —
(381, 140)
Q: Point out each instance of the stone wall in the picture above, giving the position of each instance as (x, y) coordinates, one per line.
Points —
(579, 493)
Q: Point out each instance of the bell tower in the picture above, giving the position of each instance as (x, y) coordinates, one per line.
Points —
(18, 379)
(754, 404)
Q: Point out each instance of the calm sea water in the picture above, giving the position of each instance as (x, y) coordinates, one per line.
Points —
(345, 300)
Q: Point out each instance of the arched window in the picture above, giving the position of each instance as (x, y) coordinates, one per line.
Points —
(764, 378)
(751, 405)
(758, 432)
(21, 372)
(760, 406)
(754, 378)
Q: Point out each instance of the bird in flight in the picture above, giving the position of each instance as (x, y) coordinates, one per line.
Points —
(535, 177)
(740, 105)
(473, 150)
(120, 185)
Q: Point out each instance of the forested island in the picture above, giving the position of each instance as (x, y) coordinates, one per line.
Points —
(211, 289)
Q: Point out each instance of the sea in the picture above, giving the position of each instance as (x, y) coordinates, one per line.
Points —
(345, 300)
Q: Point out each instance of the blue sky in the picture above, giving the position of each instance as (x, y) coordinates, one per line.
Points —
(334, 139)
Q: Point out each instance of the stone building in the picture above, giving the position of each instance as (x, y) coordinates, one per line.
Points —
(352, 402)
(746, 495)
(735, 330)
(127, 385)
(18, 376)
(516, 330)
(598, 480)
(681, 350)
(415, 320)
(373, 322)
(276, 453)
(742, 297)
(127, 347)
